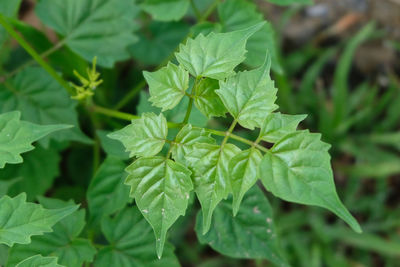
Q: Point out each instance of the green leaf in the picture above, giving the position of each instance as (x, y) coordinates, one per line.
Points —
(19, 220)
(158, 41)
(16, 136)
(239, 14)
(8, 9)
(166, 10)
(249, 235)
(167, 86)
(290, 2)
(63, 242)
(161, 189)
(41, 100)
(249, 96)
(131, 242)
(211, 176)
(102, 28)
(34, 177)
(107, 192)
(6, 185)
(186, 139)
(217, 54)
(243, 168)
(277, 125)
(145, 136)
(297, 169)
(39, 261)
(207, 101)
(112, 147)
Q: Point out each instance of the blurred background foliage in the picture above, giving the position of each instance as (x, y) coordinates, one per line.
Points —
(337, 61)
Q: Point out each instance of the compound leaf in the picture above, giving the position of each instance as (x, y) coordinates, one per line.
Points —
(16, 136)
(145, 136)
(277, 125)
(207, 101)
(19, 220)
(211, 177)
(243, 169)
(249, 96)
(107, 192)
(101, 28)
(131, 242)
(167, 86)
(39, 261)
(161, 190)
(249, 235)
(41, 100)
(215, 55)
(166, 10)
(297, 169)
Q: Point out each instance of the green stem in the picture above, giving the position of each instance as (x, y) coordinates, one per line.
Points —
(131, 95)
(229, 132)
(188, 111)
(210, 10)
(34, 54)
(195, 9)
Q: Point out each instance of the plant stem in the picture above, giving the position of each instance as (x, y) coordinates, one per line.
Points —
(34, 54)
(229, 132)
(128, 97)
(188, 111)
(195, 9)
(210, 10)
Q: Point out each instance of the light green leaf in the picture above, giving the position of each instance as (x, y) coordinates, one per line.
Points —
(166, 10)
(290, 2)
(6, 185)
(107, 192)
(217, 54)
(161, 189)
(249, 235)
(39, 261)
(112, 147)
(211, 176)
(249, 96)
(102, 28)
(207, 101)
(63, 242)
(239, 14)
(243, 169)
(297, 169)
(186, 138)
(131, 243)
(277, 125)
(145, 136)
(34, 177)
(16, 136)
(19, 220)
(167, 86)
(41, 100)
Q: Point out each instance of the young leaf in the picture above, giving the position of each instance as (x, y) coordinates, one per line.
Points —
(131, 242)
(41, 100)
(277, 125)
(102, 28)
(207, 101)
(107, 192)
(39, 261)
(16, 136)
(167, 86)
(161, 189)
(166, 10)
(63, 242)
(249, 96)
(243, 168)
(298, 169)
(249, 235)
(20, 220)
(186, 138)
(215, 55)
(145, 136)
(34, 177)
(211, 176)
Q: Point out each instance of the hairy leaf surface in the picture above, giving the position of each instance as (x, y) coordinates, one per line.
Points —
(161, 190)
(211, 176)
(145, 136)
(102, 28)
(131, 243)
(215, 55)
(298, 169)
(167, 86)
(19, 220)
(39, 261)
(249, 96)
